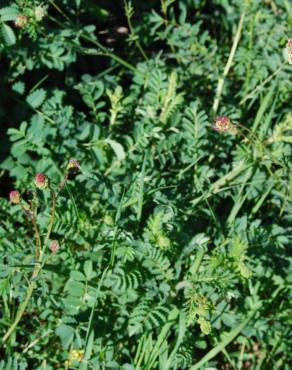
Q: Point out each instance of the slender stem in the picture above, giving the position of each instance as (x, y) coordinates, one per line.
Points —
(217, 278)
(38, 242)
(91, 317)
(52, 220)
(62, 184)
(164, 8)
(217, 186)
(31, 284)
(109, 53)
(59, 10)
(37, 267)
(34, 342)
(93, 41)
(24, 304)
(228, 64)
(199, 257)
(260, 86)
(128, 12)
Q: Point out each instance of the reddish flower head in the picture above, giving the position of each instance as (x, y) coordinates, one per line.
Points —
(41, 181)
(20, 21)
(222, 123)
(14, 197)
(54, 246)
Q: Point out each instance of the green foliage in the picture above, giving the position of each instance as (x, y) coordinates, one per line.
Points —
(36, 98)
(7, 14)
(173, 236)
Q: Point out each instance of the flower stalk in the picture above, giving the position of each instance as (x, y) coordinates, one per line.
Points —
(41, 182)
(228, 64)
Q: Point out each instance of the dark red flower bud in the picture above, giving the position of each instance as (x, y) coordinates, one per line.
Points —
(41, 181)
(15, 197)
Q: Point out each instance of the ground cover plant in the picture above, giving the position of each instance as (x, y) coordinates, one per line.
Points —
(146, 184)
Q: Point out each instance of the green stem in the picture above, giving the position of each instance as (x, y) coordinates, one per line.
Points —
(109, 53)
(195, 266)
(62, 184)
(228, 64)
(59, 10)
(216, 187)
(52, 220)
(90, 322)
(36, 270)
(93, 41)
(24, 304)
(262, 85)
(128, 12)
(216, 278)
(38, 241)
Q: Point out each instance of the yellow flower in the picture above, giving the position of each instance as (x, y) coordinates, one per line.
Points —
(74, 355)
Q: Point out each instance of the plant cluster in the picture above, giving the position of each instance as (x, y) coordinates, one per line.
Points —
(170, 249)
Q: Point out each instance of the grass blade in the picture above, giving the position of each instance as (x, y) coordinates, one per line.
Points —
(228, 339)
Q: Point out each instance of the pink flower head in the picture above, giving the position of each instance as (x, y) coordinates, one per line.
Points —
(222, 124)
(289, 44)
(73, 164)
(54, 246)
(14, 197)
(41, 181)
(20, 21)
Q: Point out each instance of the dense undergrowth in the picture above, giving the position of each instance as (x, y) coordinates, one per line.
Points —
(165, 243)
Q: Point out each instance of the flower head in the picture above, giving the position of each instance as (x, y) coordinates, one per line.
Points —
(39, 13)
(222, 123)
(74, 355)
(73, 168)
(20, 21)
(41, 181)
(54, 246)
(73, 164)
(14, 197)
